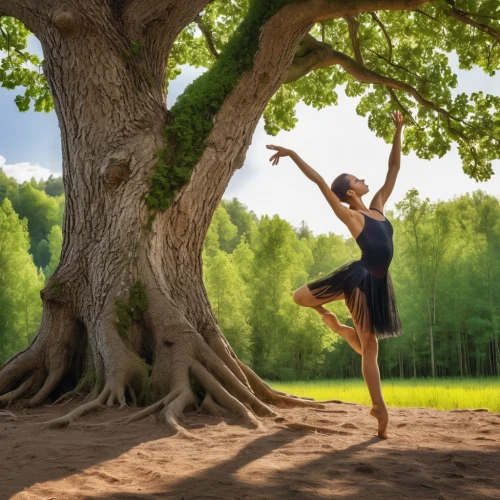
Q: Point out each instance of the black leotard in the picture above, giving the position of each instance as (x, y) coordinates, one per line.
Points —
(366, 284)
(375, 242)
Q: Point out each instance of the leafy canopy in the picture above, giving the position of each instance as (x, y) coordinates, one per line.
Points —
(410, 50)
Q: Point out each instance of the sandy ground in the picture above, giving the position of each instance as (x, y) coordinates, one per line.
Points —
(431, 454)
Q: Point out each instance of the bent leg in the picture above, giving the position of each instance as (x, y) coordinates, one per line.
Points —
(304, 297)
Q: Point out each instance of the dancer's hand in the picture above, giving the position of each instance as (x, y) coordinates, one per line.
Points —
(280, 152)
(398, 120)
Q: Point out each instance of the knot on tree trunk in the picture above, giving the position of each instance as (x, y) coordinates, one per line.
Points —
(53, 291)
(67, 22)
(114, 174)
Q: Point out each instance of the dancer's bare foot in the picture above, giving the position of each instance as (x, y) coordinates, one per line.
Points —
(382, 415)
(348, 333)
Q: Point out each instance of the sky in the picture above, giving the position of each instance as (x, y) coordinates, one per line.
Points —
(332, 140)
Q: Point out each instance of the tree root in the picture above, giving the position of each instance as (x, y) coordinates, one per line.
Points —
(21, 390)
(10, 416)
(264, 392)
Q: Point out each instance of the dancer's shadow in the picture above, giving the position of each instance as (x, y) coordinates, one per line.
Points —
(220, 481)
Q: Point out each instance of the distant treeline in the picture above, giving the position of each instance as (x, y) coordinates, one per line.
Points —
(446, 275)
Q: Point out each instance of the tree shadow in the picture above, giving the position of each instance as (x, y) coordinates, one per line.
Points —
(265, 467)
(428, 473)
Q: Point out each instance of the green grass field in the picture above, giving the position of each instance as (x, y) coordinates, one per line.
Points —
(442, 394)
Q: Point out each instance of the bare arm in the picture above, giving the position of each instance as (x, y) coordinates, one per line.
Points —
(343, 213)
(382, 195)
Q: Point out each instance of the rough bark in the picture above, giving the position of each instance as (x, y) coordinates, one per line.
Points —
(110, 107)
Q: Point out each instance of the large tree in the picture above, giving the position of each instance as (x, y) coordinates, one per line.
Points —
(125, 314)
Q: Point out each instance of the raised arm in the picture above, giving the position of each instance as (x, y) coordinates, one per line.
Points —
(381, 196)
(343, 213)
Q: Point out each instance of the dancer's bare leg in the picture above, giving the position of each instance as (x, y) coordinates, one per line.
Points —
(304, 297)
(371, 374)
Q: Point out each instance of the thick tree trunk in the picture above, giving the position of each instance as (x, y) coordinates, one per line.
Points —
(160, 342)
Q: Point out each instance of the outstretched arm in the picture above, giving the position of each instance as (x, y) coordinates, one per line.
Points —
(343, 213)
(380, 198)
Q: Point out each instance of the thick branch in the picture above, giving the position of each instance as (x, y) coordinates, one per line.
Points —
(462, 17)
(140, 14)
(155, 25)
(23, 10)
(353, 34)
(229, 139)
(365, 75)
(208, 36)
(320, 10)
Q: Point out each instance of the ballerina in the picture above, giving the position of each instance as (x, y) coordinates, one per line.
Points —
(365, 285)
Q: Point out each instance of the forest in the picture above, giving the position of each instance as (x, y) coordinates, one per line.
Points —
(445, 270)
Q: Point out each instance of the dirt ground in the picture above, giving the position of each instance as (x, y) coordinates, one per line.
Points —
(430, 454)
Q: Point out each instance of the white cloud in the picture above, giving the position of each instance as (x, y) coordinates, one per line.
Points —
(24, 171)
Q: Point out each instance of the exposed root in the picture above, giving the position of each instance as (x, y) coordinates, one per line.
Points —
(133, 396)
(269, 395)
(65, 398)
(210, 407)
(220, 346)
(49, 385)
(222, 396)
(171, 414)
(230, 381)
(152, 409)
(82, 410)
(94, 394)
(108, 397)
(10, 397)
(10, 416)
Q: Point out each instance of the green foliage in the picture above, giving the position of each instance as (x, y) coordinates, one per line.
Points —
(133, 310)
(20, 284)
(185, 138)
(42, 212)
(421, 45)
(123, 318)
(54, 186)
(455, 271)
(55, 246)
(20, 68)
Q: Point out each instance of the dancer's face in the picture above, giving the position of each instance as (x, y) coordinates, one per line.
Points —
(358, 186)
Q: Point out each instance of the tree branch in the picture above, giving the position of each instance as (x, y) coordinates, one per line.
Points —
(23, 10)
(353, 35)
(382, 27)
(398, 102)
(395, 65)
(325, 56)
(431, 17)
(320, 10)
(155, 24)
(208, 36)
(462, 17)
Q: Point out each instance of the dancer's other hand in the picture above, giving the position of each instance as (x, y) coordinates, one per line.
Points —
(280, 153)
(398, 120)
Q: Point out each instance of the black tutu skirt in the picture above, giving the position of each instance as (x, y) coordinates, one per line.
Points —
(370, 299)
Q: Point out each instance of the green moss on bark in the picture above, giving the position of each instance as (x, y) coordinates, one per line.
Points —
(185, 138)
(127, 312)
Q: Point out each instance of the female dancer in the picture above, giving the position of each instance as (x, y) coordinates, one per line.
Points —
(364, 284)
